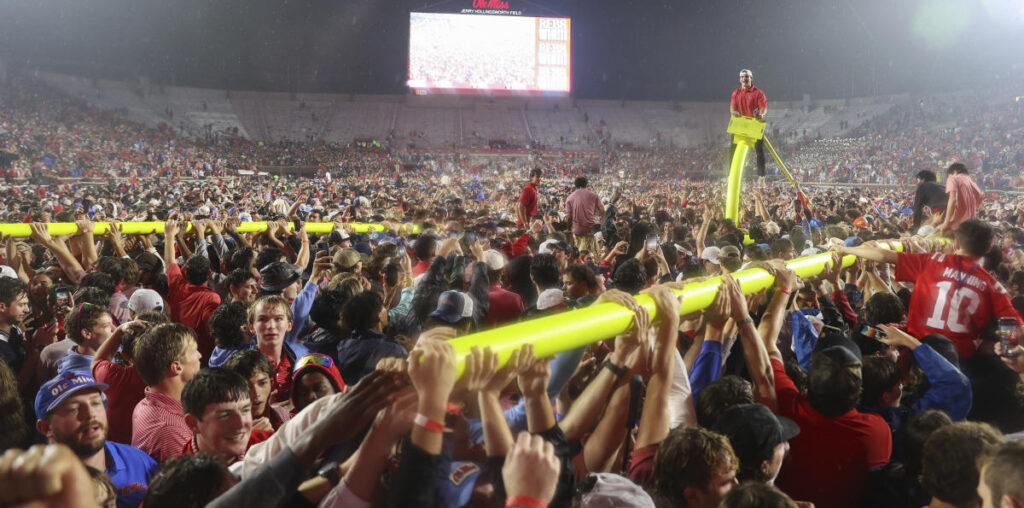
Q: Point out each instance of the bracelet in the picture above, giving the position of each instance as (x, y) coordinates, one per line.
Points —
(786, 291)
(525, 502)
(617, 370)
(745, 320)
(427, 423)
(305, 242)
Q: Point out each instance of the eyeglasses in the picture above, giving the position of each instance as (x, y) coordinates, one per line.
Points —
(315, 359)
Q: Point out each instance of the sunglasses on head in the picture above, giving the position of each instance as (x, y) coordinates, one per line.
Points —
(315, 359)
(84, 310)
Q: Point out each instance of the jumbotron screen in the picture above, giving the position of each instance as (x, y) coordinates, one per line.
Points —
(482, 53)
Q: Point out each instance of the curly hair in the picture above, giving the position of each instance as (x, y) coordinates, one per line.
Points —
(690, 457)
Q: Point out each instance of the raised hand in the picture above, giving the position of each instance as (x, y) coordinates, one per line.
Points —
(350, 413)
(534, 373)
(627, 342)
(531, 469)
(482, 372)
(666, 301)
(41, 233)
(719, 311)
(738, 310)
(896, 337)
(432, 369)
(45, 476)
(171, 229)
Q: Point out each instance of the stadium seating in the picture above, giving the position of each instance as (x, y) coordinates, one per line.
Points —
(464, 122)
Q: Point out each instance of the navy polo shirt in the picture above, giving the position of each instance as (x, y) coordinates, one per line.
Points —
(130, 469)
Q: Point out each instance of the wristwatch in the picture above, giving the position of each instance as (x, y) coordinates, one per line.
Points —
(329, 472)
(617, 370)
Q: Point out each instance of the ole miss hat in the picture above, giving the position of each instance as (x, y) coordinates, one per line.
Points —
(58, 389)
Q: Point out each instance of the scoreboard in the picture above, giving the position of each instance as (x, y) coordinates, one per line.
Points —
(488, 53)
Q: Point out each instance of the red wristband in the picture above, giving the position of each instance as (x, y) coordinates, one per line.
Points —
(525, 502)
(786, 291)
(427, 423)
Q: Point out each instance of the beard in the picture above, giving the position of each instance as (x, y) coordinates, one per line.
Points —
(82, 446)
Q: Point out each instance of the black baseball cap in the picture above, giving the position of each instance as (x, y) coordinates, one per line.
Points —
(754, 431)
(277, 275)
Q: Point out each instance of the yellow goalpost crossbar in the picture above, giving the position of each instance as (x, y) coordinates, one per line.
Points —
(145, 228)
(549, 335)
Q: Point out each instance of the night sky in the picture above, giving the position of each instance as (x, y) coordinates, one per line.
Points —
(625, 49)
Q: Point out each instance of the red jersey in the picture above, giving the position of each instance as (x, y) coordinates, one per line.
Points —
(953, 296)
(829, 461)
(746, 100)
(529, 200)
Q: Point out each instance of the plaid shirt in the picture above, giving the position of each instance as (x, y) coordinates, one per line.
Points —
(158, 426)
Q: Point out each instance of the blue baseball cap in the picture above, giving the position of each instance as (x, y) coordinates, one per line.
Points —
(381, 237)
(452, 306)
(363, 248)
(58, 389)
(853, 241)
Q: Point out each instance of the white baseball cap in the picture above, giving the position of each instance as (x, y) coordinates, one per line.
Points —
(145, 300)
(711, 254)
(494, 259)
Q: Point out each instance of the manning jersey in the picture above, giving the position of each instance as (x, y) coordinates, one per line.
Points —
(954, 296)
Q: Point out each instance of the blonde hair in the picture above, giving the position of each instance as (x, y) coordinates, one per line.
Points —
(270, 301)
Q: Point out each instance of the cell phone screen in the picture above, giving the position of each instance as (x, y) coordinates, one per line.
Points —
(1007, 336)
(872, 332)
(652, 242)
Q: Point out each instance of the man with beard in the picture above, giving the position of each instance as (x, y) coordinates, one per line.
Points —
(72, 412)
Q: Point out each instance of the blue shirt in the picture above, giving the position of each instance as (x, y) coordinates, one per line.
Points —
(130, 469)
(706, 367)
(293, 350)
(300, 311)
(74, 361)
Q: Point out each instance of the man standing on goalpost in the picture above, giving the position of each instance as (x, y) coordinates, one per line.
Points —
(749, 100)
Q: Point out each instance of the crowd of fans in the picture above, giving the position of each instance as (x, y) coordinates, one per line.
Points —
(204, 365)
(53, 135)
